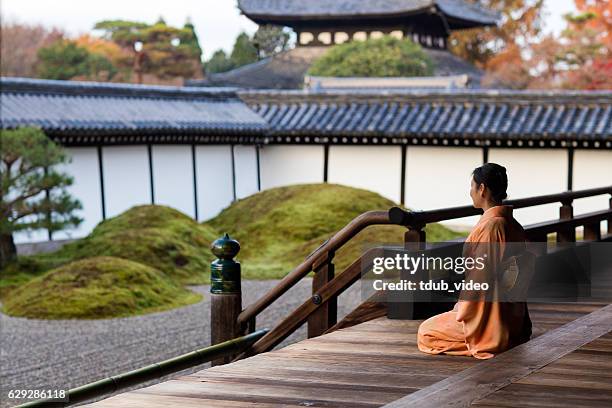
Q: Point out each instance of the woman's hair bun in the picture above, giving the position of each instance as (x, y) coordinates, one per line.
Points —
(494, 177)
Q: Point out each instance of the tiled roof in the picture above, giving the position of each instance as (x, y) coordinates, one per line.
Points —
(325, 9)
(469, 116)
(88, 108)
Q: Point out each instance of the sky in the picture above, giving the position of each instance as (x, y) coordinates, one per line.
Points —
(217, 22)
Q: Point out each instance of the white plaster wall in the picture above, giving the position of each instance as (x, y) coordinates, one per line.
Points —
(126, 178)
(214, 175)
(439, 177)
(173, 177)
(85, 169)
(533, 172)
(374, 168)
(245, 159)
(592, 168)
(285, 165)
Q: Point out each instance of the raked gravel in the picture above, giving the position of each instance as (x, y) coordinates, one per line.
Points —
(63, 354)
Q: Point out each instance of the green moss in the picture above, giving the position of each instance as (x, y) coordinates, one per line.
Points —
(279, 227)
(98, 287)
(157, 236)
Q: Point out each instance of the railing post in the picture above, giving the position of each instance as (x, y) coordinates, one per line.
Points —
(400, 304)
(610, 218)
(566, 212)
(592, 232)
(326, 315)
(415, 237)
(225, 293)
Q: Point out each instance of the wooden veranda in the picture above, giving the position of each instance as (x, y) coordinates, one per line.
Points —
(370, 360)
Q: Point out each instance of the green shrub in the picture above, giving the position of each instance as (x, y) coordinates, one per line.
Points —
(382, 57)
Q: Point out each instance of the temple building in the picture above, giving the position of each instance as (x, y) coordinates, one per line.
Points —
(319, 24)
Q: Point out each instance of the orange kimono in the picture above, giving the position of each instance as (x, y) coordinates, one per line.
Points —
(481, 328)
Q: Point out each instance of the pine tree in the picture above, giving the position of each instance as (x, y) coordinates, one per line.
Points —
(244, 52)
(33, 192)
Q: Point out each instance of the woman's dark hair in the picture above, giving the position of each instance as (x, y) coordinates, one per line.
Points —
(494, 177)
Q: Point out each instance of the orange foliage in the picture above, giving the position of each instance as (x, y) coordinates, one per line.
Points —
(602, 23)
(580, 58)
(103, 47)
(507, 69)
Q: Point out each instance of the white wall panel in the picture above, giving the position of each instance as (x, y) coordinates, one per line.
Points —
(85, 169)
(285, 165)
(246, 170)
(374, 168)
(533, 172)
(439, 177)
(592, 168)
(126, 178)
(173, 177)
(214, 174)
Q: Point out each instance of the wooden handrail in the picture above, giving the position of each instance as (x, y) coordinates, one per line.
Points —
(547, 227)
(339, 239)
(418, 218)
(415, 222)
(330, 290)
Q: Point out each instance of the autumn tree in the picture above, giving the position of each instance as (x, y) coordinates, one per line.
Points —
(588, 46)
(109, 50)
(500, 50)
(65, 60)
(601, 21)
(33, 192)
(579, 59)
(20, 44)
(159, 49)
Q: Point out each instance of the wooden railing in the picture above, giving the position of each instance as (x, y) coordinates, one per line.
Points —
(320, 311)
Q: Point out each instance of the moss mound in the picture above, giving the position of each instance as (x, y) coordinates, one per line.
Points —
(157, 236)
(279, 227)
(98, 287)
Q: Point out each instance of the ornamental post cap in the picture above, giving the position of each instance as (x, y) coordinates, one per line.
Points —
(225, 247)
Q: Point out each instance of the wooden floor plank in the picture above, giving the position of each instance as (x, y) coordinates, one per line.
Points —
(330, 379)
(317, 380)
(280, 392)
(368, 365)
(136, 400)
(423, 367)
(483, 379)
(582, 378)
(527, 395)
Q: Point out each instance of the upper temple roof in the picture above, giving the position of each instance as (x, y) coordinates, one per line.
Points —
(458, 13)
